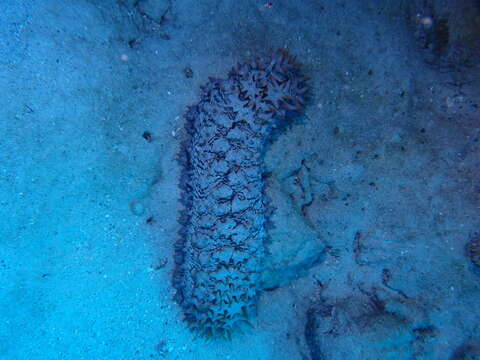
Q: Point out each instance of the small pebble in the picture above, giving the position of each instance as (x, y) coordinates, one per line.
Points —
(147, 136)
(188, 72)
(473, 251)
(137, 208)
(426, 21)
(164, 36)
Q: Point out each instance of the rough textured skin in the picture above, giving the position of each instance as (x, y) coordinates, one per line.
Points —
(220, 250)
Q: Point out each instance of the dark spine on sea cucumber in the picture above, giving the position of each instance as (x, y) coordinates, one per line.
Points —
(221, 245)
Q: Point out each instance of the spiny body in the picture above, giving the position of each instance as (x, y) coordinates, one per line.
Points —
(220, 250)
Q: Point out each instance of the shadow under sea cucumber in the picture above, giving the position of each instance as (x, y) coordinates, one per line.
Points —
(221, 245)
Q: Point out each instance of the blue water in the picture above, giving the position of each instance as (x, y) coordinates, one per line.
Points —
(375, 239)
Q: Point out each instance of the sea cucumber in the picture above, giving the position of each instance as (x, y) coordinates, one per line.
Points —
(221, 245)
